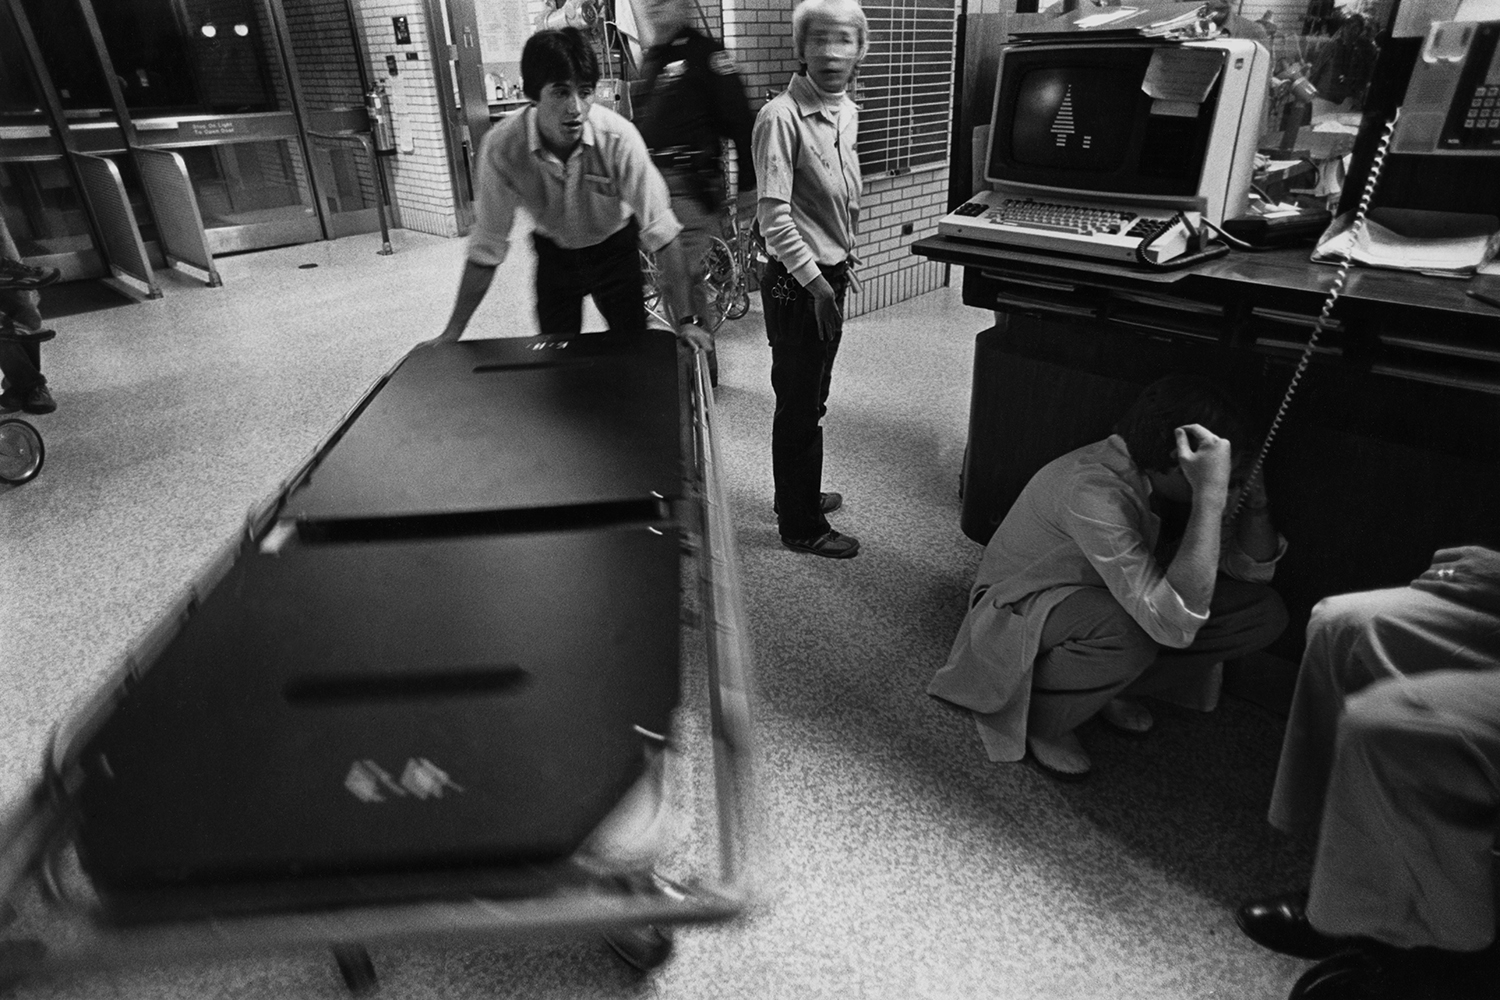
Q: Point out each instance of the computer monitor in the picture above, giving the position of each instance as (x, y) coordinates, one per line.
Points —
(1079, 121)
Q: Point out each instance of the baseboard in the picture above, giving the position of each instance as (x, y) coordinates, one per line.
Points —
(1263, 679)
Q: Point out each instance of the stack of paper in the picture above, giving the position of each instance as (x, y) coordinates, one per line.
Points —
(1443, 244)
(1175, 22)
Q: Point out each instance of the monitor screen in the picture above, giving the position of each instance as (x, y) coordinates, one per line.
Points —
(1076, 117)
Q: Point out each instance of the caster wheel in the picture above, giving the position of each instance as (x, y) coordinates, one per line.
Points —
(357, 969)
(641, 948)
(21, 452)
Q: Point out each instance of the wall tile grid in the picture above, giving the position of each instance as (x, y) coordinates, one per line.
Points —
(759, 32)
(422, 187)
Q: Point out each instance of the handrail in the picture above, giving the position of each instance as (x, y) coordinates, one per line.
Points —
(363, 138)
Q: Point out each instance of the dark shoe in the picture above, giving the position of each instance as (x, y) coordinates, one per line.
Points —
(22, 335)
(830, 544)
(38, 400)
(14, 274)
(1349, 975)
(10, 401)
(1280, 923)
(827, 503)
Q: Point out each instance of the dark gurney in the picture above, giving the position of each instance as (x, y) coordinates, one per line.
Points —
(410, 700)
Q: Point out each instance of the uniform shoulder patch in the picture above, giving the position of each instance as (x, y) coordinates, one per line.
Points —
(721, 62)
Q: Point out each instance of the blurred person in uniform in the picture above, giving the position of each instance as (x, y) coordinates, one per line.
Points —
(692, 98)
(23, 386)
(584, 176)
(807, 170)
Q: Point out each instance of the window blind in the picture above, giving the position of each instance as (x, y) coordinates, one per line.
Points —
(906, 85)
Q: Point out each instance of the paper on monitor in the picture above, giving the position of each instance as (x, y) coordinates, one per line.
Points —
(1179, 74)
(1098, 20)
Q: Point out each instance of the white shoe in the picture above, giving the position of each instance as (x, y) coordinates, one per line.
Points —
(1061, 756)
(1127, 715)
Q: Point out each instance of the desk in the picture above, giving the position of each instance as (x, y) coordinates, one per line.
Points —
(1390, 450)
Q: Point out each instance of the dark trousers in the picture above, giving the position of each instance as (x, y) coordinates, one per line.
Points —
(1092, 651)
(20, 364)
(610, 271)
(801, 372)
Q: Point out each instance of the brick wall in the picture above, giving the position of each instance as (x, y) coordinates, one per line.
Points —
(760, 34)
(421, 185)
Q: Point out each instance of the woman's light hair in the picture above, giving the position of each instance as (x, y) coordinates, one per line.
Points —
(836, 11)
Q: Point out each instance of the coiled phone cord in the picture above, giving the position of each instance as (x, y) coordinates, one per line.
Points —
(1346, 259)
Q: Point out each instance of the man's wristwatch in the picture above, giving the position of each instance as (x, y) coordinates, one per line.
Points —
(694, 319)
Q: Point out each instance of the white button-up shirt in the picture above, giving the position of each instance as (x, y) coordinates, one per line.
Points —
(608, 178)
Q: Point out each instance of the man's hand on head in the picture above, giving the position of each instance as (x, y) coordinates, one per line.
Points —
(1205, 460)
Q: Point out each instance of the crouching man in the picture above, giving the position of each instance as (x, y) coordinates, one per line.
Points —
(1083, 601)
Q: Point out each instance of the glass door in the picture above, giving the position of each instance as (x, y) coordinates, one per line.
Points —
(205, 78)
(39, 194)
(331, 84)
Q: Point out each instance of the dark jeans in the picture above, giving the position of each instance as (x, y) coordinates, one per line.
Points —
(610, 271)
(801, 372)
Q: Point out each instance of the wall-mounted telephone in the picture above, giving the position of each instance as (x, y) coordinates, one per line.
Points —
(1452, 103)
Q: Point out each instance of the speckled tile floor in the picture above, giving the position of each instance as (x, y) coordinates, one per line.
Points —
(898, 862)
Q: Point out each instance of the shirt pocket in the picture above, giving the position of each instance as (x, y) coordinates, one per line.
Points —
(601, 186)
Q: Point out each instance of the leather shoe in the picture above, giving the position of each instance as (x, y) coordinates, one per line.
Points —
(38, 400)
(827, 503)
(830, 544)
(1280, 923)
(25, 335)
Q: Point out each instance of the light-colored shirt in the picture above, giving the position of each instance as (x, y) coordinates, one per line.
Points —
(608, 178)
(808, 171)
(1084, 520)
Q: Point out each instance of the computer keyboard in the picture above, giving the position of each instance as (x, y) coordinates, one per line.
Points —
(1108, 232)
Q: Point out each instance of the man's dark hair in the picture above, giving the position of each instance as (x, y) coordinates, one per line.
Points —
(1149, 426)
(557, 55)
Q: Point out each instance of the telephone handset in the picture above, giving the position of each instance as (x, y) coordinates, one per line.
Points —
(1345, 260)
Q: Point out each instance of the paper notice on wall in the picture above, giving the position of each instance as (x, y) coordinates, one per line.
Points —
(504, 26)
(1182, 74)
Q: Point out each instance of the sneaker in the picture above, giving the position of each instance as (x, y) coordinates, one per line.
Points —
(38, 400)
(1128, 716)
(1063, 756)
(15, 274)
(830, 544)
(827, 503)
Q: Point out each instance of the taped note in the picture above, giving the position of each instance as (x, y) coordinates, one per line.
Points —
(1097, 20)
(1182, 74)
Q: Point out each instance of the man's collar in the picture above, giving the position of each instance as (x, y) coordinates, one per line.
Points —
(534, 134)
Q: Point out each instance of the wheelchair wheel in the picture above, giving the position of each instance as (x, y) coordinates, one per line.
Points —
(21, 452)
(739, 302)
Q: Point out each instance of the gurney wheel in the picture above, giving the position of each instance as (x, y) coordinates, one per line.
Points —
(357, 968)
(641, 948)
(21, 452)
(16, 960)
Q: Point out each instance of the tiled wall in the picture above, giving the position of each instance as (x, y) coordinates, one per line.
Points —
(421, 185)
(759, 32)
